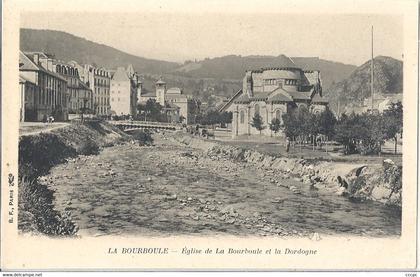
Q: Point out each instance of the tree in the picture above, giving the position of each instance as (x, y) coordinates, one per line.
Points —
(326, 123)
(152, 110)
(225, 118)
(393, 123)
(257, 122)
(291, 125)
(360, 133)
(275, 125)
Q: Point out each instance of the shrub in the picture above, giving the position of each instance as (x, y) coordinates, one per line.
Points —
(88, 147)
(37, 154)
(36, 212)
(143, 137)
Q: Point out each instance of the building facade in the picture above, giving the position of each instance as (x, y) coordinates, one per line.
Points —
(99, 81)
(80, 95)
(45, 91)
(177, 106)
(124, 90)
(272, 92)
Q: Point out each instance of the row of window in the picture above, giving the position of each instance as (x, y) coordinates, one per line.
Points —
(102, 82)
(278, 82)
(78, 105)
(242, 114)
(102, 101)
(100, 91)
(76, 93)
(50, 91)
(66, 70)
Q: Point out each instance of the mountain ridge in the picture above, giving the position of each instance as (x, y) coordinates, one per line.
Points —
(387, 80)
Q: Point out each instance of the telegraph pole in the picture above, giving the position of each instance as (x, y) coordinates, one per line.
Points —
(371, 76)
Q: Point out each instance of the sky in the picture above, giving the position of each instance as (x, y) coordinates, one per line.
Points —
(177, 36)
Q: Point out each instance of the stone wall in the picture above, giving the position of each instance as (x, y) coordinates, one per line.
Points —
(381, 183)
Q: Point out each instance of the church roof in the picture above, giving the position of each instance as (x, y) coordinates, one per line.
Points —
(318, 99)
(299, 95)
(280, 95)
(226, 105)
(243, 99)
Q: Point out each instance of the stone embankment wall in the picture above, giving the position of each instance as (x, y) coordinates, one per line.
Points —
(38, 153)
(381, 183)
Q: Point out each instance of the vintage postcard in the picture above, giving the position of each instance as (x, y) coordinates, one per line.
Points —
(209, 135)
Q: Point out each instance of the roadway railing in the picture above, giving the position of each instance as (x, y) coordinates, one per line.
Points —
(148, 123)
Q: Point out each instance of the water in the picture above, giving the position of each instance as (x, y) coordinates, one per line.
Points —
(131, 190)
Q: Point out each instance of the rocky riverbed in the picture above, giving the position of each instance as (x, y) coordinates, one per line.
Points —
(172, 188)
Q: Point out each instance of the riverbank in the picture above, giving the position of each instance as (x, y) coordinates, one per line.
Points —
(182, 185)
(41, 151)
(380, 182)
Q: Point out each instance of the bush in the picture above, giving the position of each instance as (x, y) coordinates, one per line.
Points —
(37, 154)
(143, 137)
(36, 212)
(88, 147)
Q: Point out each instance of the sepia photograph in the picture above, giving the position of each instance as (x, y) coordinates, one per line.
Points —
(253, 125)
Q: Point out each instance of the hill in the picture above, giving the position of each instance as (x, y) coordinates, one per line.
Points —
(234, 67)
(388, 79)
(69, 47)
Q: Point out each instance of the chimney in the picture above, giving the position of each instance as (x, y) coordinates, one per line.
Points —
(36, 58)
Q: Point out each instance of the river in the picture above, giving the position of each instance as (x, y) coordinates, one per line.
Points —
(170, 189)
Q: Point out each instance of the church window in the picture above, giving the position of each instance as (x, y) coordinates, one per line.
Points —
(278, 114)
(256, 109)
(242, 117)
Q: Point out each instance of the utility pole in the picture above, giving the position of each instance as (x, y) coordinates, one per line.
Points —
(371, 75)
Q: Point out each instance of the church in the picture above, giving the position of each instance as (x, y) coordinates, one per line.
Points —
(272, 92)
(178, 107)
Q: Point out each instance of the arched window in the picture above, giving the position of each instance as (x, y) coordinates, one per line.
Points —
(278, 114)
(242, 117)
(256, 109)
(58, 68)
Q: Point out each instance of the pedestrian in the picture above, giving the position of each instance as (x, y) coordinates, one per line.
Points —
(287, 145)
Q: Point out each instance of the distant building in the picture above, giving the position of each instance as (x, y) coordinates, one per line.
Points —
(124, 90)
(44, 92)
(271, 92)
(381, 102)
(175, 103)
(99, 81)
(80, 95)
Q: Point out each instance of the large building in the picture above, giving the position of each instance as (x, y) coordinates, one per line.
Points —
(99, 81)
(177, 106)
(80, 95)
(43, 91)
(272, 92)
(125, 84)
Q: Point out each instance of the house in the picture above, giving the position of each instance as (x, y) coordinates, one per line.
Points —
(272, 92)
(43, 91)
(124, 91)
